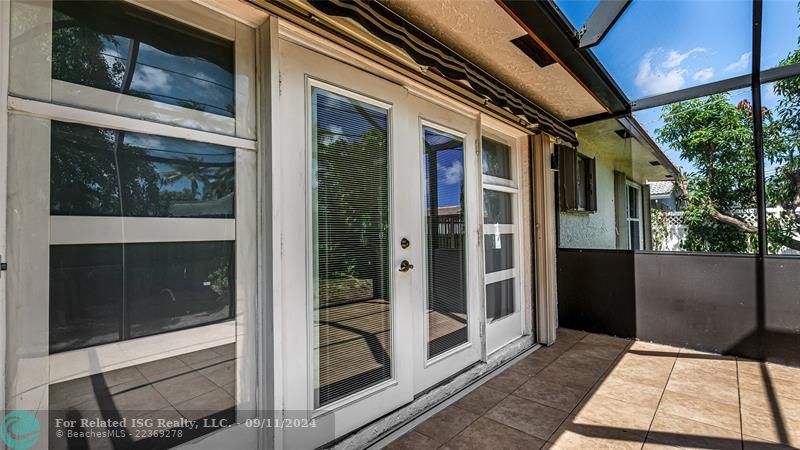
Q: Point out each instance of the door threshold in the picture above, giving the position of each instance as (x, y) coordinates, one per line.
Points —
(433, 400)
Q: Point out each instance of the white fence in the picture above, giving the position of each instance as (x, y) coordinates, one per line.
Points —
(677, 230)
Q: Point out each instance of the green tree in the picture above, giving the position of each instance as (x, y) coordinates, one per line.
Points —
(716, 137)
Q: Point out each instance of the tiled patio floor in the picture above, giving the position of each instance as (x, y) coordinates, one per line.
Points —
(591, 391)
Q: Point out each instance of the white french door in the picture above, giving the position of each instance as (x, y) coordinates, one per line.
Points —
(447, 304)
(382, 224)
(346, 304)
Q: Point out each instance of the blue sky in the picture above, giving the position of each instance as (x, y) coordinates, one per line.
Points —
(660, 46)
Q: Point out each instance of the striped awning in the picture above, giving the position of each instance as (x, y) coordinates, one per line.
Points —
(429, 52)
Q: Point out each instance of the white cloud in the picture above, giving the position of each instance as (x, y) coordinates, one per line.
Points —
(651, 80)
(703, 74)
(675, 58)
(151, 80)
(741, 64)
(454, 174)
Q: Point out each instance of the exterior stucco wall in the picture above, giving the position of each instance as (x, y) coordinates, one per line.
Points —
(596, 230)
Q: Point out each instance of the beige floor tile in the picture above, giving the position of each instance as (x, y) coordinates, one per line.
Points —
(582, 362)
(703, 369)
(570, 335)
(754, 443)
(785, 406)
(650, 445)
(534, 363)
(709, 361)
(689, 434)
(530, 417)
(768, 426)
(596, 350)
(643, 372)
(700, 383)
(775, 387)
(611, 412)
(653, 349)
(659, 362)
(551, 394)
(446, 423)
(577, 433)
(487, 434)
(787, 373)
(507, 381)
(480, 400)
(608, 340)
(629, 392)
(413, 441)
(701, 409)
(571, 377)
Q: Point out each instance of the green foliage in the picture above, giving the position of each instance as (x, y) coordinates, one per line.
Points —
(717, 138)
(660, 228)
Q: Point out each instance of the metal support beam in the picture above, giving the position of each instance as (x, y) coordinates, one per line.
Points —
(758, 139)
(603, 17)
(766, 76)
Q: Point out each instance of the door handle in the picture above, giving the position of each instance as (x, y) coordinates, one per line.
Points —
(405, 266)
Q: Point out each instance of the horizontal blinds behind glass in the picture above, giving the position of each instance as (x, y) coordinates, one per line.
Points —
(446, 243)
(351, 245)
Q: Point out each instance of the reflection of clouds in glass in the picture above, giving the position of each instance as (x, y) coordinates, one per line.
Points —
(454, 173)
(149, 79)
(332, 134)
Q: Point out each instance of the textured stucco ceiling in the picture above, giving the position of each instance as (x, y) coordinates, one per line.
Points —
(482, 32)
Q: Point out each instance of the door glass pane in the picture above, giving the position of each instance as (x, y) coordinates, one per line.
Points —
(499, 249)
(352, 302)
(499, 299)
(119, 47)
(496, 158)
(446, 249)
(497, 207)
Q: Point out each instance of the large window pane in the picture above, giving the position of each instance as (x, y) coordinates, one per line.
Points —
(158, 176)
(446, 246)
(352, 302)
(108, 292)
(781, 124)
(496, 158)
(86, 291)
(172, 286)
(118, 47)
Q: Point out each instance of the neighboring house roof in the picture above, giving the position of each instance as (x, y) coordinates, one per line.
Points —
(661, 188)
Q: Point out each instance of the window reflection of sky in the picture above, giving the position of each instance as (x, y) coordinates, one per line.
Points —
(166, 68)
(449, 169)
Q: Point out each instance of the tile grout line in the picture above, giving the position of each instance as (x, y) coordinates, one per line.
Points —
(663, 391)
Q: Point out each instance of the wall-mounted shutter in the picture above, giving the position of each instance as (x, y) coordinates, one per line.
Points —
(566, 175)
(591, 185)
